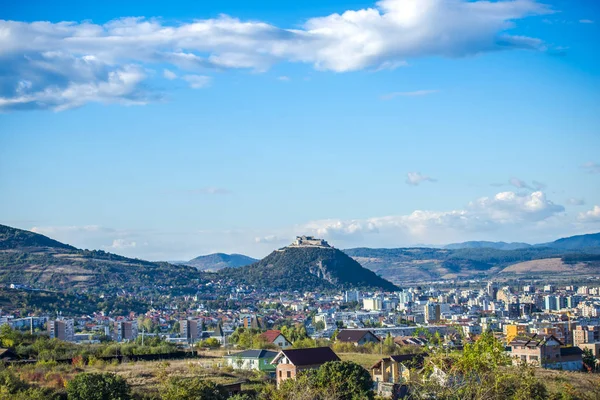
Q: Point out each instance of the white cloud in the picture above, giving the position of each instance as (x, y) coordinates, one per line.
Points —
(591, 167)
(283, 78)
(416, 93)
(516, 182)
(56, 230)
(67, 64)
(170, 75)
(592, 215)
(197, 81)
(575, 201)
(586, 21)
(415, 178)
(118, 244)
(504, 210)
(268, 239)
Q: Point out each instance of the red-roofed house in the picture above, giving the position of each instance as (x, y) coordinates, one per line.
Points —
(275, 337)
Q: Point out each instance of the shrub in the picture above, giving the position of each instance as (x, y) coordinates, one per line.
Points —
(192, 389)
(94, 386)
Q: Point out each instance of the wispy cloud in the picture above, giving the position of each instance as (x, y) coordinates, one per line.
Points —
(63, 65)
(591, 167)
(415, 93)
(197, 81)
(170, 75)
(283, 78)
(586, 21)
(521, 184)
(573, 201)
(416, 178)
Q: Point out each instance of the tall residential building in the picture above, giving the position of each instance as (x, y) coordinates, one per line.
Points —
(352, 295)
(125, 330)
(373, 304)
(551, 303)
(432, 312)
(62, 329)
(586, 334)
(190, 329)
(492, 290)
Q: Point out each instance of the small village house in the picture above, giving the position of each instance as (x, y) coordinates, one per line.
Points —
(276, 337)
(545, 351)
(290, 362)
(357, 336)
(252, 360)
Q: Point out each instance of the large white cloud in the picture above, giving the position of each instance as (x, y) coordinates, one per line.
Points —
(505, 209)
(66, 64)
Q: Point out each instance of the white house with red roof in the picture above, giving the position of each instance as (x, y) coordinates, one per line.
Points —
(275, 337)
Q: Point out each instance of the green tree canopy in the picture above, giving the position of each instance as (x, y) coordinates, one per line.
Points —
(98, 386)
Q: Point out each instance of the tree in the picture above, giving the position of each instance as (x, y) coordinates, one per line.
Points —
(348, 380)
(320, 325)
(178, 388)
(98, 386)
(211, 343)
(589, 361)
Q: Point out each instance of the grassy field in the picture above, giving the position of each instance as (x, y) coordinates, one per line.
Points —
(366, 360)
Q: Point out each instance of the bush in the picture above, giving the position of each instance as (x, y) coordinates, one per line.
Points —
(192, 389)
(94, 386)
(10, 383)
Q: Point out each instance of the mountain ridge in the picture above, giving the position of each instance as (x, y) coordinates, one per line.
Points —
(307, 268)
(217, 261)
(37, 261)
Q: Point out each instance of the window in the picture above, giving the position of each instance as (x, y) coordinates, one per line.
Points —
(280, 374)
(289, 374)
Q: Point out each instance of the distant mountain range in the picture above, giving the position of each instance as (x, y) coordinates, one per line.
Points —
(576, 255)
(487, 245)
(218, 261)
(578, 243)
(307, 268)
(31, 259)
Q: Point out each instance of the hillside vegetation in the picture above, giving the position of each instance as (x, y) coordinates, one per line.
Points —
(34, 260)
(307, 268)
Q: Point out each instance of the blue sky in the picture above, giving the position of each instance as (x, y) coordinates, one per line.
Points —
(234, 126)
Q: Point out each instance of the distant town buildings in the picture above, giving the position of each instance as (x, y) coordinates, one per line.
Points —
(125, 331)
(62, 329)
(191, 330)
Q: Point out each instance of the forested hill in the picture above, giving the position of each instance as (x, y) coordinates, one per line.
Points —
(13, 238)
(307, 268)
(34, 260)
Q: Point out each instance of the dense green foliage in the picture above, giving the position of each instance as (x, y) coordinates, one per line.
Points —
(11, 238)
(192, 389)
(338, 380)
(39, 347)
(14, 388)
(98, 386)
(307, 268)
